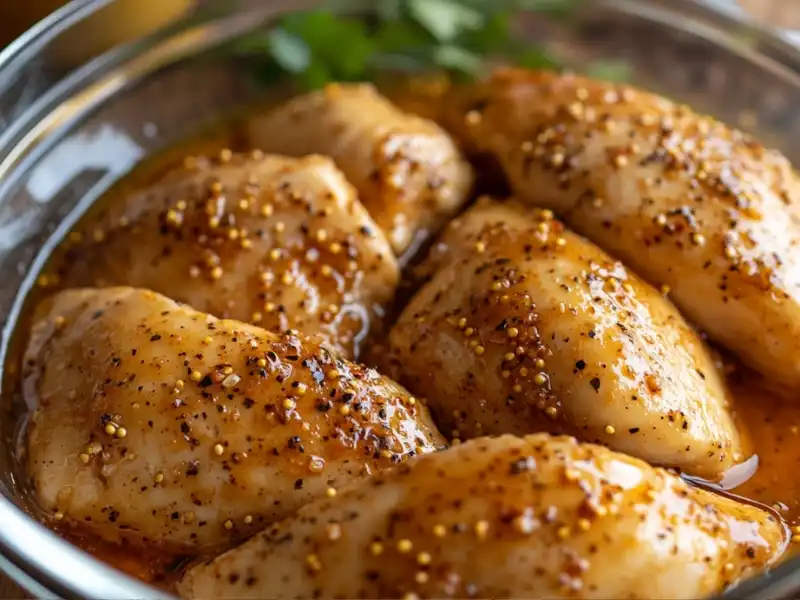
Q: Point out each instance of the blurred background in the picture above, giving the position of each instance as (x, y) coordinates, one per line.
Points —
(129, 18)
(126, 19)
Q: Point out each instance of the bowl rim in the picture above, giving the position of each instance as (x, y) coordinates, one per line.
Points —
(27, 547)
(43, 31)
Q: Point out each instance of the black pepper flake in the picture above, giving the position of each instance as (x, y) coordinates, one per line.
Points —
(248, 402)
(155, 338)
(193, 468)
(206, 381)
(633, 430)
(298, 484)
(580, 365)
(595, 383)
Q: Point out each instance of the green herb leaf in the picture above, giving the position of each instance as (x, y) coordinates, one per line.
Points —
(289, 51)
(350, 40)
(445, 19)
(493, 37)
(316, 76)
(341, 44)
(401, 36)
(534, 58)
(458, 59)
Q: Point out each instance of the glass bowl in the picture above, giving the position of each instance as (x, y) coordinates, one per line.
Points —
(68, 132)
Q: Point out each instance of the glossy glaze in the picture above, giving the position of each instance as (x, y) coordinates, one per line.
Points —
(160, 424)
(280, 242)
(774, 425)
(410, 175)
(769, 421)
(503, 518)
(680, 198)
(527, 327)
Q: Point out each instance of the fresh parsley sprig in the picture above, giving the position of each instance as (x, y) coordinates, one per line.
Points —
(356, 40)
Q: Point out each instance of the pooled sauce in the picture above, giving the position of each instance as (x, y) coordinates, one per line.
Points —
(771, 422)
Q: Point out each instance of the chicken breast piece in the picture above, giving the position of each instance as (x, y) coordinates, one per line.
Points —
(680, 198)
(505, 517)
(408, 172)
(280, 242)
(527, 327)
(162, 425)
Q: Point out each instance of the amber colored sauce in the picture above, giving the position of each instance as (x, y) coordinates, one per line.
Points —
(772, 423)
(156, 567)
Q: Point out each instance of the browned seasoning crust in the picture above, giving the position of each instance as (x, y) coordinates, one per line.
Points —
(525, 327)
(684, 200)
(503, 518)
(408, 172)
(158, 424)
(280, 242)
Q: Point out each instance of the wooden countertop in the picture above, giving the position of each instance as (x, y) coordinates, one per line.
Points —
(784, 13)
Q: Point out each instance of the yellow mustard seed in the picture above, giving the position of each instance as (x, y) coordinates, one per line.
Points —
(482, 529)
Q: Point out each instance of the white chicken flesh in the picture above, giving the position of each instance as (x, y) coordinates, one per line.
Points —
(157, 424)
(526, 327)
(506, 517)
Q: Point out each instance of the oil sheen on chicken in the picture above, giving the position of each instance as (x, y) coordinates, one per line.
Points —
(525, 327)
(279, 242)
(680, 198)
(408, 172)
(506, 517)
(160, 424)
